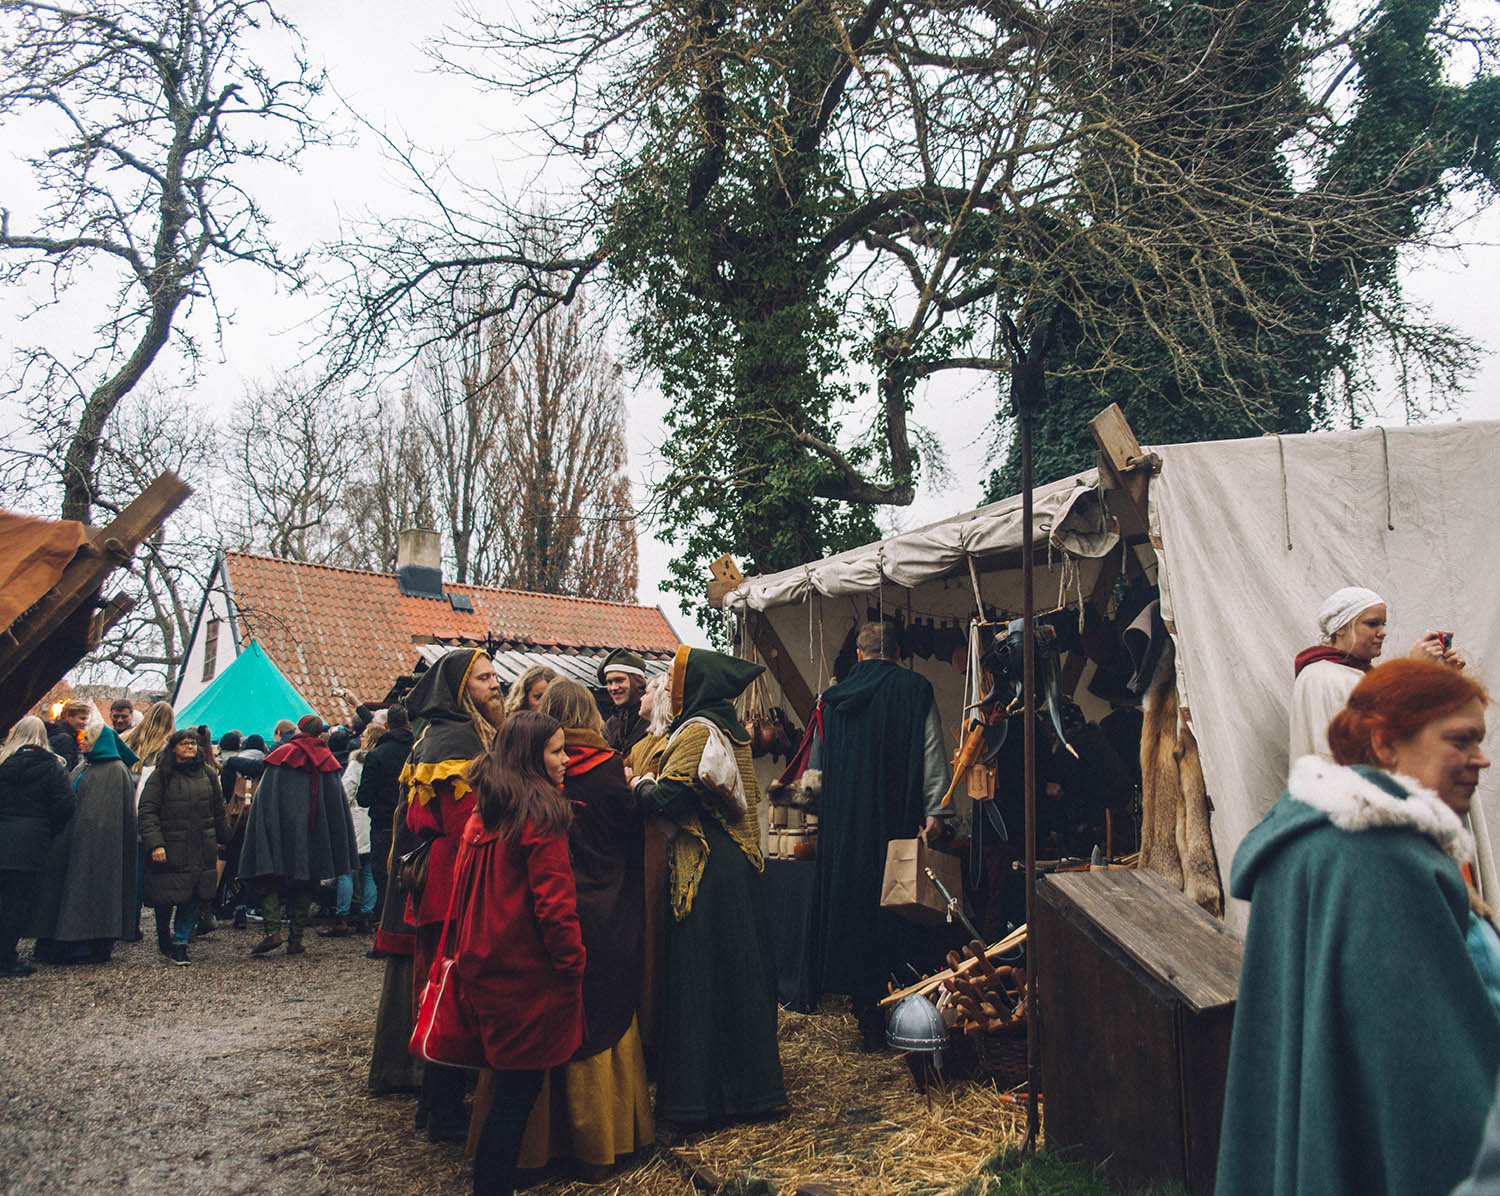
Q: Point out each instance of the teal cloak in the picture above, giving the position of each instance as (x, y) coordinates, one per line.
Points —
(874, 734)
(1365, 1048)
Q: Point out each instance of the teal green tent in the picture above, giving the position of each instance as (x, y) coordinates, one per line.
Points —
(250, 696)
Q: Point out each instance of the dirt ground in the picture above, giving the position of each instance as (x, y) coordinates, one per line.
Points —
(240, 1075)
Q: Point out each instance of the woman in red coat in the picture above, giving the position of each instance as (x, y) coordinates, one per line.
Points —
(520, 953)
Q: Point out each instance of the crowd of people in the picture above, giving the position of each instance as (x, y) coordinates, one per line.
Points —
(100, 821)
(595, 887)
(601, 898)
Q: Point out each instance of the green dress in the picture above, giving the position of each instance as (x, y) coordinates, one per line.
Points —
(719, 1054)
(1365, 1049)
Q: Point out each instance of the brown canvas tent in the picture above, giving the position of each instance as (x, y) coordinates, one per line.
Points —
(52, 575)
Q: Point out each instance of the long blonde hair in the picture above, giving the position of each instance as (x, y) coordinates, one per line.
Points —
(29, 732)
(147, 738)
(515, 700)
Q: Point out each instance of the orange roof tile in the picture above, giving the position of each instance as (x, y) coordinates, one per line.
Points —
(331, 630)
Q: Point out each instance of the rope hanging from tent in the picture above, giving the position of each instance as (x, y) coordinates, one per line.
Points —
(1385, 455)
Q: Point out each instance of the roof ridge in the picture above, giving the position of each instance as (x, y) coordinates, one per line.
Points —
(447, 584)
(281, 560)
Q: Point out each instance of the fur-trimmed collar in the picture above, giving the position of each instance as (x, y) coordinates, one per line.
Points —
(1354, 802)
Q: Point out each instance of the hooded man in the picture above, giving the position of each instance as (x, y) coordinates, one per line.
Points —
(457, 707)
(298, 831)
(623, 674)
(885, 771)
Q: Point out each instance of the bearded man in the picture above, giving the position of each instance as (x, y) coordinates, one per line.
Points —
(457, 707)
(623, 674)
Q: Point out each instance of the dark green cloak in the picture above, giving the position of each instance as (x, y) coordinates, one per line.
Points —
(1365, 1049)
(719, 1051)
(874, 734)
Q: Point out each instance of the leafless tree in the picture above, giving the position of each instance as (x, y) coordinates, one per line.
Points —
(563, 475)
(462, 382)
(149, 432)
(522, 427)
(392, 485)
(294, 448)
(149, 115)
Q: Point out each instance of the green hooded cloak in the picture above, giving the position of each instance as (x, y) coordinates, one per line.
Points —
(1365, 1049)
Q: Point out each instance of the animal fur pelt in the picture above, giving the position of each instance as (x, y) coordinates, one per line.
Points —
(1175, 838)
(802, 793)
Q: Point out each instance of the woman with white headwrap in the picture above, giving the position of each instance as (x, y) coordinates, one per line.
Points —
(1352, 624)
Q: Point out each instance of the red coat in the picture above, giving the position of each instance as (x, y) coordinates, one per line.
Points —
(444, 816)
(520, 952)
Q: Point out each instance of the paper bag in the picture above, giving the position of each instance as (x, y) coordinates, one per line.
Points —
(906, 889)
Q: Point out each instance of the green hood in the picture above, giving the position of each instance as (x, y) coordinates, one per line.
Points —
(705, 684)
(110, 746)
(866, 679)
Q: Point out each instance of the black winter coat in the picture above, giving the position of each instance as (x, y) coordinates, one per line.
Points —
(64, 741)
(378, 790)
(183, 812)
(36, 801)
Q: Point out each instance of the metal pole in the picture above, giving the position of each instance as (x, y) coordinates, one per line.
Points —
(1028, 716)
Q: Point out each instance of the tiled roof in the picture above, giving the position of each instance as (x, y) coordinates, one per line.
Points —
(335, 631)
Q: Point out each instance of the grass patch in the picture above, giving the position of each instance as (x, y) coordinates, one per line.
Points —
(1045, 1173)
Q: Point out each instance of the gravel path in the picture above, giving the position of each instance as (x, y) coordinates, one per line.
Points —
(233, 1075)
(239, 1075)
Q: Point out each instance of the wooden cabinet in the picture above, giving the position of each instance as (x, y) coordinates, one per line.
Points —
(1137, 988)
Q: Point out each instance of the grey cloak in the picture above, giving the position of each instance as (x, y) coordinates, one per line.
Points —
(299, 828)
(86, 888)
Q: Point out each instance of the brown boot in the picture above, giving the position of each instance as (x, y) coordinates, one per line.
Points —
(295, 947)
(339, 930)
(269, 943)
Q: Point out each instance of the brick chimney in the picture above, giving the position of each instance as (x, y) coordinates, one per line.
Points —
(419, 563)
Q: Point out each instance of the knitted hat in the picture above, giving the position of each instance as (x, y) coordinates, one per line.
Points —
(1341, 608)
(622, 660)
(310, 724)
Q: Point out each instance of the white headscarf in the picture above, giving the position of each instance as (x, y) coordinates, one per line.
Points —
(1342, 607)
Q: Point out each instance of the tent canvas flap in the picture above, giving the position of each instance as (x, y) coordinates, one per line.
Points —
(1254, 534)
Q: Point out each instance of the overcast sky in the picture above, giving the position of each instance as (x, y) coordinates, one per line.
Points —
(371, 49)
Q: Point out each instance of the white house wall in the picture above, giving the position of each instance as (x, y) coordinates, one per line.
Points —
(224, 647)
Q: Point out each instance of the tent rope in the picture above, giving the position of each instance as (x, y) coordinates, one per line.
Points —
(1286, 510)
(1385, 453)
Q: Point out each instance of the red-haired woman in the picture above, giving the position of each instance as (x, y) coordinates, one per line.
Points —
(1365, 1045)
(520, 952)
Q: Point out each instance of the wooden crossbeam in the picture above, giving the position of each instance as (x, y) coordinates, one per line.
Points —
(1124, 466)
(106, 550)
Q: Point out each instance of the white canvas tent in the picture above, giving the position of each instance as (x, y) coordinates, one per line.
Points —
(1253, 534)
(1248, 537)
